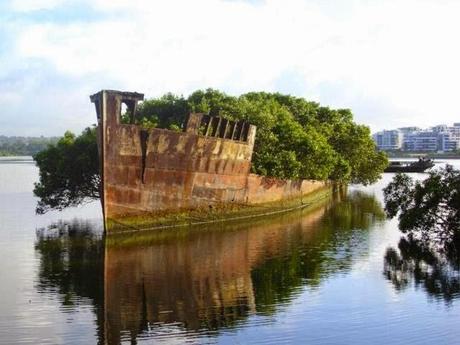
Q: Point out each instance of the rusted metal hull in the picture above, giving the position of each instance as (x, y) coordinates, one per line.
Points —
(148, 172)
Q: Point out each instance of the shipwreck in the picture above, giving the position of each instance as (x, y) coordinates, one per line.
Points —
(165, 177)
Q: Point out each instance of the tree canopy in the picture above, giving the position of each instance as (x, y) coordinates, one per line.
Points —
(295, 139)
(429, 209)
(69, 172)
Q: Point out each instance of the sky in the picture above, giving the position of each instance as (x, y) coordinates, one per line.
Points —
(394, 63)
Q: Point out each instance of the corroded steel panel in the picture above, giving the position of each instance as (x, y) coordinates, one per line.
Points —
(209, 162)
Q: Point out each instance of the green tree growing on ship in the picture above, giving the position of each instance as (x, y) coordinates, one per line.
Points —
(295, 139)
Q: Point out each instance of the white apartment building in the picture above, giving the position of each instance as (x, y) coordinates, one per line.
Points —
(454, 133)
(421, 141)
(437, 138)
(389, 140)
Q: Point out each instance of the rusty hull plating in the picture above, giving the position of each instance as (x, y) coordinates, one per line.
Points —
(158, 170)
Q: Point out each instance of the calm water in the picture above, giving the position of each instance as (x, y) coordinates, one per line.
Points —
(317, 277)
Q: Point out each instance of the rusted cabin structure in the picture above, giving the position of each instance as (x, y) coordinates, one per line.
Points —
(145, 172)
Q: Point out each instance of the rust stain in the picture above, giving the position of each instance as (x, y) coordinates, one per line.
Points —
(162, 170)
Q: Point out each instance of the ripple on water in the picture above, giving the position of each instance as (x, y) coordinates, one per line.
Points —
(306, 277)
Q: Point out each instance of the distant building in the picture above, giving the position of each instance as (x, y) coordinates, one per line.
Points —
(454, 134)
(437, 138)
(421, 141)
(389, 140)
(439, 128)
(447, 142)
(406, 130)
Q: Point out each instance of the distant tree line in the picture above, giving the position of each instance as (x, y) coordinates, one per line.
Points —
(24, 146)
(295, 139)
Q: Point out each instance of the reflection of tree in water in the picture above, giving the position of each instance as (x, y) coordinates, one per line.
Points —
(337, 238)
(436, 271)
(202, 280)
(72, 264)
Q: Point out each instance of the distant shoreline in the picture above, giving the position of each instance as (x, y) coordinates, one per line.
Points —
(13, 155)
(16, 158)
(422, 154)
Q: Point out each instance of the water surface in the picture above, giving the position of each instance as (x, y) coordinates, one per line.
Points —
(321, 276)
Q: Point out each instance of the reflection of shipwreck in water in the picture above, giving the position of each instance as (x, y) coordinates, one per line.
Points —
(204, 281)
(201, 282)
(156, 172)
(156, 284)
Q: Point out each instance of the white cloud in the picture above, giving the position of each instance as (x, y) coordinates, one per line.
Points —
(179, 43)
(398, 58)
(35, 5)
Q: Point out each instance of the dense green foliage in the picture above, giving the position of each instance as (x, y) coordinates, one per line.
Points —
(69, 172)
(428, 209)
(24, 146)
(295, 138)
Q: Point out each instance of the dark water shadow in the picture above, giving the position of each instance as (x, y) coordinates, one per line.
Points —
(202, 280)
(72, 266)
(415, 263)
